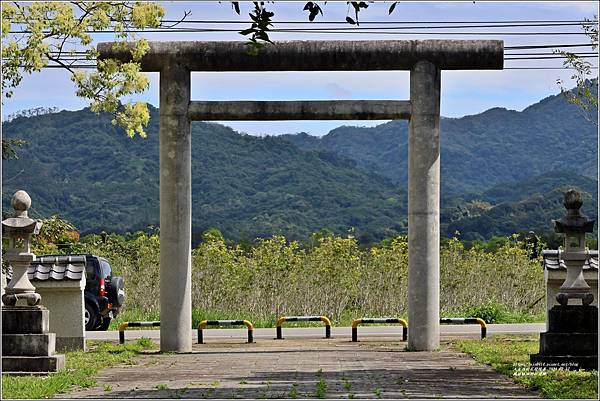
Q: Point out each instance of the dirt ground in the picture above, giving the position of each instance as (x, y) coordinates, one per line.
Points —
(306, 368)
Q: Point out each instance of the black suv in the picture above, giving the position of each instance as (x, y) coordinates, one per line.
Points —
(104, 294)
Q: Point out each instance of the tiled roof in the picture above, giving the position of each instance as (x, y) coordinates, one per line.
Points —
(57, 268)
(551, 261)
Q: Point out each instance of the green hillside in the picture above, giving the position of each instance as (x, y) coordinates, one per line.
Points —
(77, 164)
(502, 172)
(497, 146)
(534, 213)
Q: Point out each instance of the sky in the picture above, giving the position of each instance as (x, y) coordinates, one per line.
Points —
(463, 92)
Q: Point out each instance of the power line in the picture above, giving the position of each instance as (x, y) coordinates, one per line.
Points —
(545, 57)
(530, 56)
(523, 47)
(92, 66)
(548, 54)
(540, 68)
(358, 30)
(556, 54)
(506, 48)
(182, 30)
(520, 47)
(579, 22)
(302, 22)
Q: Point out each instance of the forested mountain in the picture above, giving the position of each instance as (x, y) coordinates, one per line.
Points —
(497, 146)
(502, 172)
(79, 165)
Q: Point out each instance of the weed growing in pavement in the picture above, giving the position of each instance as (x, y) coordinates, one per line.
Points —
(321, 389)
(293, 391)
(347, 384)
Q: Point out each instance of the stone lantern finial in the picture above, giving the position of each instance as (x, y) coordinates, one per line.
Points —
(19, 230)
(572, 201)
(21, 201)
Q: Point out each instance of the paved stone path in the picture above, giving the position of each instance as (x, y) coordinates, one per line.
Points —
(304, 368)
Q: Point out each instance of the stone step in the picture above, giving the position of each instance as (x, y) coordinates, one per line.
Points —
(28, 344)
(33, 363)
(25, 320)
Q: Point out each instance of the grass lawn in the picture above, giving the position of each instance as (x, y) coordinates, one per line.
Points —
(80, 369)
(510, 355)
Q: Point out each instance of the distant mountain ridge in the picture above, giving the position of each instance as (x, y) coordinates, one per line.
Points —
(502, 171)
(79, 165)
(479, 151)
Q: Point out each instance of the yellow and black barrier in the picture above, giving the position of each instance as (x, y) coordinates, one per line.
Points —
(205, 323)
(323, 319)
(356, 322)
(125, 325)
(467, 320)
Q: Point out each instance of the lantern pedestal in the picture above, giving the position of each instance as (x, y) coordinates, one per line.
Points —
(571, 342)
(27, 346)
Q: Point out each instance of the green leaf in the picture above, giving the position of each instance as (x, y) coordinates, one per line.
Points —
(247, 31)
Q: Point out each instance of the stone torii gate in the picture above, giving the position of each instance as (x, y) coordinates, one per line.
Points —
(425, 59)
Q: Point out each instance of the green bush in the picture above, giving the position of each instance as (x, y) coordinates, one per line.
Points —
(334, 277)
(490, 312)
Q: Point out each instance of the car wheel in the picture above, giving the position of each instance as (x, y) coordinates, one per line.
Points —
(104, 325)
(90, 317)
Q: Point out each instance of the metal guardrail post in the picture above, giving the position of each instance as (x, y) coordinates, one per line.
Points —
(283, 319)
(126, 325)
(202, 325)
(357, 322)
(467, 320)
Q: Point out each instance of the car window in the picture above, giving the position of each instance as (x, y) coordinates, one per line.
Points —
(105, 268)
(89, 272)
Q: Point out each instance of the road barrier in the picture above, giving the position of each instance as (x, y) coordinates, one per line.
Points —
(205, 323)
(125, 325)
(356, 322)
(467, 320)
(323, 319)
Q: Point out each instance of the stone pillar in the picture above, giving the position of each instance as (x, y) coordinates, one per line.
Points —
(175, 209)
(424, 208)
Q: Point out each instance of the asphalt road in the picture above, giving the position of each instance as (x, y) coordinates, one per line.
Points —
(446, 330)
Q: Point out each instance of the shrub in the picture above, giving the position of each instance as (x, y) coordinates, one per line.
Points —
(334, 277)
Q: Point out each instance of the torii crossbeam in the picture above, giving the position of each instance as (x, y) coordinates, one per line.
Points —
(424, 58)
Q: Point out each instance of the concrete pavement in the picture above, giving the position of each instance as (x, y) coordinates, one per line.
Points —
(303, 368)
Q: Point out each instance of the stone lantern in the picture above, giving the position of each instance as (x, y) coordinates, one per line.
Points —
(571, 341)
(574, 226)
(19, 230)
(27, 345)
